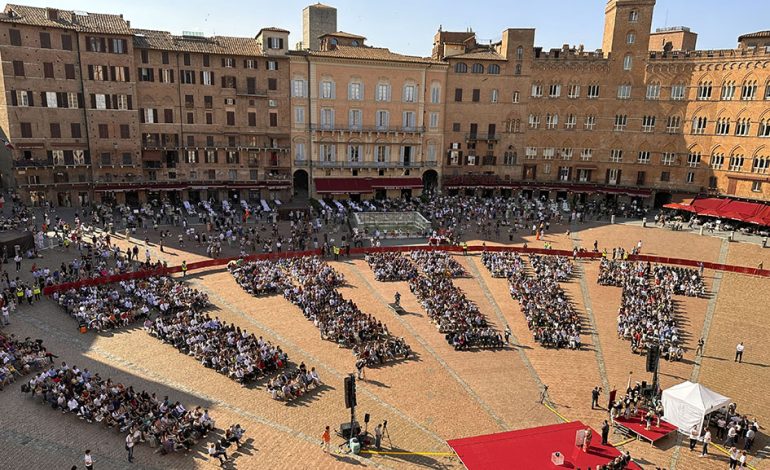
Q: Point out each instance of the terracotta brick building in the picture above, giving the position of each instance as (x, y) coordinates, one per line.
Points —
(98, 110)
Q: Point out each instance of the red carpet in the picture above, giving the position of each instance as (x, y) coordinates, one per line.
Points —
(635, 425)
(532, 448)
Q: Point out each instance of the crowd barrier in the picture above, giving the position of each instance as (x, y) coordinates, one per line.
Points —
(391, 249)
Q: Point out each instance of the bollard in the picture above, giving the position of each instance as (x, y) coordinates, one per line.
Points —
(764, 242)
(701, 230)
(644, 222)
(612, 219)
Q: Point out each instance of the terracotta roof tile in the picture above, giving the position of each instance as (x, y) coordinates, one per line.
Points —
(758, 34)
(456, 37)
(85, 22)
(343, 34)
(225, 45)
(372, 53)
(479, 55)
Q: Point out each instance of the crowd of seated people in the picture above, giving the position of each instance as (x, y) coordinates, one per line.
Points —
(259, 278)
(550, 316)
(646, 316)
(681, 281)
(391, 266)
(218, 345)
(111, 306)
(167, 425)
(437, 263)
(456, 316)
(291, 384)
(20, 357)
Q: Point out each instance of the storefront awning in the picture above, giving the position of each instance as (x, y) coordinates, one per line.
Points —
(742, 211)
(363, 185)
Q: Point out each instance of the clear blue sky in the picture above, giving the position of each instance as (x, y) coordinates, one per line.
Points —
(407, 26)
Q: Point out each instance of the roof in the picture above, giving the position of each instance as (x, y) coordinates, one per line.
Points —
(320, 5)
(533, 448)
(273, 29)
(479, 55)
(457, 37)
(758, 34)
(372, 53)
(343, 34)
(225, 45)
(80, 21)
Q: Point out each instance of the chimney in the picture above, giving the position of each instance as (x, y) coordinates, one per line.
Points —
(52, 13)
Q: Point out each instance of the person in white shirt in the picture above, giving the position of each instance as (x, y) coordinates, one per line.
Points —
(694, 434)
(739, 352)
(706, 442)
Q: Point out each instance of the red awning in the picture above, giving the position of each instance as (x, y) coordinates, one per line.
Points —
(680, 207)
(740, 210)
(363, 185)
(709, 206)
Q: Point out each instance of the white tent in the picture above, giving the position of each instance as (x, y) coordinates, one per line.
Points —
(687, 404)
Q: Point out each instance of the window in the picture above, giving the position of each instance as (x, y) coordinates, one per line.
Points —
(693, 159)
(534, 121)
(435, 93)
(475, 95)
(616, 156)
(167, 76)
(630, 38)
(530, 153)
(299, 115)
(665, 176)
(672, 124)
(590, 122)
(477, 68)
(409, 121)
(547, 169)
(749, 90)
(95, 44)
(382, 120)
(383, 92)
(150, 115)
(122, 102)
(327, 118)
(354, 91)
(72, 100)
(554, 90)
(75, 131)
(119, 46)
(230, 118)
(717, 160)
(125, 131)
(574, 91)
(48, 70)
(633, 16)
(767, 90)
(493, 96)
(354, 119)
(704, 90)
(570, 122)
(104, 131)
(298, 88)
(653, 91)
(537, 90)
(722, 126)
(18, 68)
(493, 69)
(648, 124)
(433, 120)
(461, 67)
(764, 128)
(272, 65)
(613, 176)
(643, 157)
(66, 42)
(742, 126)
(55, 130)
(252, 119)
(327, 90)
(105, 158)
(760, 165)
(624, 92)
(26, 129)
(667, 158)
(145, 74)
(15, 37)
(381, 154)
(551, 121)
(22, 98)
(409, 93)
(736, 163)
(519, 53)
(326, 152)
(69, 71)
(299, 151)
(515, 96)
(566, 154)
(458, 94)
(627, 61)
(455, 127)
(728, 90)
(621, 120)
(677, 92)
(101, 101)
(272, 84)
(517, 69)
(250, 64)
(756, 186)
(207, 77)
(45, 40)
(593, 91)
(699, 125)
(354, 153)
(564, 173)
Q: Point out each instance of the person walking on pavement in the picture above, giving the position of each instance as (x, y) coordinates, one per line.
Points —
(694, 434)
(699, 350)
(184, 268)
(378, 436)
(739, 352)
(130, 446)
(326, 440)
(605, 432)
(88, 460)
(595, 397)
(507, 334)
(706, 442)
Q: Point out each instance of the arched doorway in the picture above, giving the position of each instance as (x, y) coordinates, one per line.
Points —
(662, 198)
(301, 184)
(429, 182)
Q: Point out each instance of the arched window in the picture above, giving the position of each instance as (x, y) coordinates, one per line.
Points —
(477, 68)
(519, 53)
(493, 69)
(517, 71)
(633, 16)
(627, 60)
(630, 38)
(460, 67)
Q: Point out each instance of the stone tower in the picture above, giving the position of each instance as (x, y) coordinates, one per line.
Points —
(317, 20)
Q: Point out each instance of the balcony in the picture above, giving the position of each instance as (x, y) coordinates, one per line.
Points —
(300, 162)
(371, 130)
(349, 164)
(477, 136)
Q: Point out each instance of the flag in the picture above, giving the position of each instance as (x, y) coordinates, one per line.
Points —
(8, 145)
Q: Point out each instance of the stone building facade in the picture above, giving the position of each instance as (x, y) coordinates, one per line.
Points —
(97, 110)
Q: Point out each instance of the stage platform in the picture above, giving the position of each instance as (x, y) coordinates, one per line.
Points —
(636, 426)
(532, 448)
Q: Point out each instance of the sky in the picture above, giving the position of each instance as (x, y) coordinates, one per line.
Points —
(408, 26)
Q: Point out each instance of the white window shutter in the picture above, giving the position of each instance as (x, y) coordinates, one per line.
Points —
(334, 91)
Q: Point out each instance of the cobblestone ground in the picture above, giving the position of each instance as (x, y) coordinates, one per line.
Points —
(439, 394)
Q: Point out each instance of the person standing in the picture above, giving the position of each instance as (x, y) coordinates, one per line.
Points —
(88, 460)
(694, 434)
(605, 433)
(706, 442)
(739, 352)
(378, 436)
(507, 334)
(699, 350)
(595, 397)
(587, 440)
(17, 259)
(184, 268)
(326, 440)
(130, 446)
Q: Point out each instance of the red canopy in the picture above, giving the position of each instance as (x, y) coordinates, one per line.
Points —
(742, 211)
(532, 448)
(681, 207)
(709, 206)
